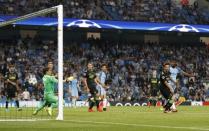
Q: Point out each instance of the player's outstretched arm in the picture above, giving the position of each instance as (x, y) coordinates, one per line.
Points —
(187, 74)
(97, 81)
(85, 84)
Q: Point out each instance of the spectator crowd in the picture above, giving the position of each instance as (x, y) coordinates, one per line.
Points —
(131, 65)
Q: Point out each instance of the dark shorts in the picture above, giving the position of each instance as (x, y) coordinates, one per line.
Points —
(92, 89)
(165, 92)
(154, 92)
(11, 93)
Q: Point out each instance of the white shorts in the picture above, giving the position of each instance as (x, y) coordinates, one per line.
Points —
(173, 86)
(74, 92)
(101, 90)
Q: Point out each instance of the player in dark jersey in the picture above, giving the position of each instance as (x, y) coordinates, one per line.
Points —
(11, 84)
(154, 89)
(90, 82)
(165, 88)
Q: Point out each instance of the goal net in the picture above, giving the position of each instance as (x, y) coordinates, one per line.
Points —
(24, 55)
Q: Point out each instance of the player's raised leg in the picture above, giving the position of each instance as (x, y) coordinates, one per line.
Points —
(53, 100)
(40, 107)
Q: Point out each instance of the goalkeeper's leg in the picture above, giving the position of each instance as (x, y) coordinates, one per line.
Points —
(42, 105)
(53, 100)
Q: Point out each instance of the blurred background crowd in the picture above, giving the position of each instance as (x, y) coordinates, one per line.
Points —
(131, 65)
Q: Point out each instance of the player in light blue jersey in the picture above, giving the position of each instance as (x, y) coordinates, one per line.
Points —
(101, 87)
(73, 89)
(175, 72)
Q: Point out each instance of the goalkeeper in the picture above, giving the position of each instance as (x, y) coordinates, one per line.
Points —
(49, 97)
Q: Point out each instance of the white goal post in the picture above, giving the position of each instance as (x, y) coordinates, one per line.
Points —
(59, 10)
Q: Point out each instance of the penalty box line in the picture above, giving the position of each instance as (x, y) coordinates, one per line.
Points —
(140, 125)
(23, 120)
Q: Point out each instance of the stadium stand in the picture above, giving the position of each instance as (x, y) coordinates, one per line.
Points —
(131, 65)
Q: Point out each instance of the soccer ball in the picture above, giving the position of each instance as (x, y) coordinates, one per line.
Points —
(84, 24)
(32, 81)
(183, 28)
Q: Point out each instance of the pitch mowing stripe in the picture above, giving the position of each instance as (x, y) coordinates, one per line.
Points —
(140, 125)
(179, 112)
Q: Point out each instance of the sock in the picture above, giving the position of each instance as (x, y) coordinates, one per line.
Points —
(173, 106)
(104, 103)
(73, 102)
(169, 104)
(7, 104)
(97, 101)
(17, 103)
(154, 102)
(164, 103)
(91, 103)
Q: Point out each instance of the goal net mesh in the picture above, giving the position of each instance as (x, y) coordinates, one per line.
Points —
(26, 57)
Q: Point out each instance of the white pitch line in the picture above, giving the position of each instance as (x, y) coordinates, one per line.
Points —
(18, 120)
(24, 120)
(140, 125)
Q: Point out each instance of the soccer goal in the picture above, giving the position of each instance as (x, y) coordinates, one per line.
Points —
(28, 108)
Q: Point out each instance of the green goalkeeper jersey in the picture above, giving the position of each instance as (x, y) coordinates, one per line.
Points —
(49, 82)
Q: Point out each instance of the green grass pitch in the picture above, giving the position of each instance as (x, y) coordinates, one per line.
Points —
(116, 119)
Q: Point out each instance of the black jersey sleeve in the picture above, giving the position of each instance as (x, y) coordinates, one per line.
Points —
(84, 74)
(6, 76)
(163, 77)
(17, 76)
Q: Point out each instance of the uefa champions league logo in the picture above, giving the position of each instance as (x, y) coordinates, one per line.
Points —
(84, 24)
(183, 28)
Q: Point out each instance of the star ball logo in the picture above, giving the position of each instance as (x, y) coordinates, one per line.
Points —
(84, 24)
(183, 28)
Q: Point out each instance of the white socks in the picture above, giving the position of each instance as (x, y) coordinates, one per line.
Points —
(74, 103)
(173, 106)
(105, 103)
